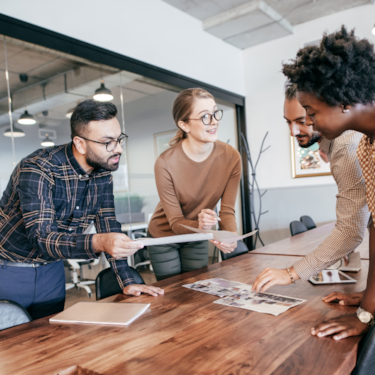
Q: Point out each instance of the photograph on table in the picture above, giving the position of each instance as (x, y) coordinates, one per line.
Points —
(273, 304)
(219, 287)
(308, 162)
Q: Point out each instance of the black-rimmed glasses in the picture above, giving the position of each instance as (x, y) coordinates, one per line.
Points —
(207, 119)
(111, 145)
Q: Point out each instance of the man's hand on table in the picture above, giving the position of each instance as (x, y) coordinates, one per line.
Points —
(272, 276)
(117, 245)
(340, 327)
(352, 299)
(137, 289)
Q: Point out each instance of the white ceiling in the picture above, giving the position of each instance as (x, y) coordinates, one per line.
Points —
(245, 23)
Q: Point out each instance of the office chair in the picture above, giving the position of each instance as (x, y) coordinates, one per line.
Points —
(12, 314)
(77, 282)
(107, 285)
(239, 250)
(297, 227)
(143, 253)
(309, 223)
(366, 354)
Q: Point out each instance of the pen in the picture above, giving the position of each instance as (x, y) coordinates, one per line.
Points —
(217, 218)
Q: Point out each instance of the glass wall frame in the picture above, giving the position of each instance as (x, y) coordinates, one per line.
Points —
(45, 38)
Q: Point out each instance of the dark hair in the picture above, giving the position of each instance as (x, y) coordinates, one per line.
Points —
(90, 110)
(340, 71)
(290, 90)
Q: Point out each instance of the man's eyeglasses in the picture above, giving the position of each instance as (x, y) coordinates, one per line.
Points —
(111, 145)
(207, 119)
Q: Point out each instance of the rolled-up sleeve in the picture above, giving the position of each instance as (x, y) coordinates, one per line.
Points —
(352, 214)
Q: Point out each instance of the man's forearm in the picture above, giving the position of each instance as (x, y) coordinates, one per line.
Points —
(97, 242)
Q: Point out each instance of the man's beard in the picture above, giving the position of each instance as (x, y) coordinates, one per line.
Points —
(313, 139)
(95, 162)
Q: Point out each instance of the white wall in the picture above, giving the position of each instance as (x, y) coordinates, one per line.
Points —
(148, 30)
(264, 85)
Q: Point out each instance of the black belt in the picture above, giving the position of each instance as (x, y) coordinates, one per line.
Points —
(18, 264)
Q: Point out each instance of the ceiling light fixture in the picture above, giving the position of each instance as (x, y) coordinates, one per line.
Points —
(102, 94)
(47, 142)
(17, 133)
(373, 30)
(69, 113)
(26, 119)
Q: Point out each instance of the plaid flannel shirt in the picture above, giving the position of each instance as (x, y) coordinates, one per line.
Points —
(48, 204)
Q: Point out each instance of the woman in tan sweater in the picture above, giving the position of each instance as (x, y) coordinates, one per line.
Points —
(191, 177)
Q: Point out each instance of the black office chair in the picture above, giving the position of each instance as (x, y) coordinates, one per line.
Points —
(12, 314)
(107, 285)
(309, 223)
(297, 227)
(366, 354)
(239, 250)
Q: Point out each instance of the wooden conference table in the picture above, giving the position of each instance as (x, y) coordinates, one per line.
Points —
(183, 332)
(304, 243)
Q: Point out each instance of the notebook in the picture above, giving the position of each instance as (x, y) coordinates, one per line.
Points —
(101, 313)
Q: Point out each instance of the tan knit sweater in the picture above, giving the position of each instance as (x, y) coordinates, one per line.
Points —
(186, 187)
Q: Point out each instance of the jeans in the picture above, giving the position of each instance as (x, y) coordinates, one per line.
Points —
(41, 290)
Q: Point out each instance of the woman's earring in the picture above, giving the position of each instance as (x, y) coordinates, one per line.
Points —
(345, 110)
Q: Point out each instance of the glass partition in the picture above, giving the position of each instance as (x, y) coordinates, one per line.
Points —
(45, 85)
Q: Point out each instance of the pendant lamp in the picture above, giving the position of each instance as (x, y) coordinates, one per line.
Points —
(17, 133)
(26, 119)
(102, 94)
(47, 142)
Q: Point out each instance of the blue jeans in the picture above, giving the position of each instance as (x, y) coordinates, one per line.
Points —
(41, 290)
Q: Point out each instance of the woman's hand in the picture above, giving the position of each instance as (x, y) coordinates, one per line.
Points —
(138, 289)
(272, 276)
(352, 299)
(225, 247)
(206, 219)
(340, 327)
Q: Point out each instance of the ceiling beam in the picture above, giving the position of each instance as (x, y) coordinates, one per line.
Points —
(245, 9)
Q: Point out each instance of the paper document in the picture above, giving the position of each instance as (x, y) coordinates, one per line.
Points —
(146, 241)
(354, 264)
(236, 294)
(221, 235)
(101, 313)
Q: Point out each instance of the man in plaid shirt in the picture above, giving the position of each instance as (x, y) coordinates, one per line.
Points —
(53, 195)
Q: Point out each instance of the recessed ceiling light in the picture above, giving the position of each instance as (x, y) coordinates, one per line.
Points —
(102, 94)
(26, 119)
(17, 133)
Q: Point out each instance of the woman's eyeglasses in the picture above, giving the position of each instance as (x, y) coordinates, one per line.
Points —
(207, 119)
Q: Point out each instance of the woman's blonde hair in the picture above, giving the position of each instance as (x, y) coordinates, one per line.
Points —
(182, 108)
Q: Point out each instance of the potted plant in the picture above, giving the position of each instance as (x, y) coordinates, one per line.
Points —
(133, 213)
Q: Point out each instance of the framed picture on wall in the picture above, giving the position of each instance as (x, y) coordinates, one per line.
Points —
(307, 162)
(161, 141)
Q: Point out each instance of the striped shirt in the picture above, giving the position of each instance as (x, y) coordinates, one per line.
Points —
(48, 204)
(352, 214)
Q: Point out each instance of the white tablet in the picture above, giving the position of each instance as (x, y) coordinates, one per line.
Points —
(332, 277)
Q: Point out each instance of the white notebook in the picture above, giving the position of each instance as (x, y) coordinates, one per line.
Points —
(101, 313)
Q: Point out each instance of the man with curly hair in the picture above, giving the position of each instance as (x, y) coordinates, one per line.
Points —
(336, 85)
(352, 213)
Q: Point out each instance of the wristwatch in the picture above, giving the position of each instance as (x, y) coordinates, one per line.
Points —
(365, 316)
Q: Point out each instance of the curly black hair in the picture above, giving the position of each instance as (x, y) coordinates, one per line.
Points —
(340, 71)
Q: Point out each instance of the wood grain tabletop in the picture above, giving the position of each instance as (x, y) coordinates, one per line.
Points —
(305, 243)
(184, 332)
